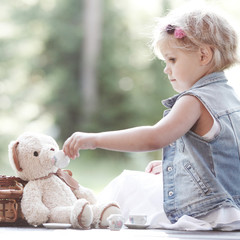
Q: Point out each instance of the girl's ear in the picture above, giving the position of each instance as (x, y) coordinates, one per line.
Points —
(206, 55)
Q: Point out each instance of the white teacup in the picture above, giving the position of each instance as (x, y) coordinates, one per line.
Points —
(115, 222)
(61, 160)
(138, 219)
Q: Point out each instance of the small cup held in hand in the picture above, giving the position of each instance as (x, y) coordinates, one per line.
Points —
(61, 160)
(138, 219)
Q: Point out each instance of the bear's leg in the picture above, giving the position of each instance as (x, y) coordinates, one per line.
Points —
(81, 215)
(101, 212)
(60, 214)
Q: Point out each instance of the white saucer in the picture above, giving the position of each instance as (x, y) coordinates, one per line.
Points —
(136, 226)
(57, 225)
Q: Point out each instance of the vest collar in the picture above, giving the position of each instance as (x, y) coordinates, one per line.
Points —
(206, 80)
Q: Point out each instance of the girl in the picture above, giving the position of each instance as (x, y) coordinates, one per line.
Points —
(199, 132)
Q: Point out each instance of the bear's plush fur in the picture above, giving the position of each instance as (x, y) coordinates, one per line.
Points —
(51, 195)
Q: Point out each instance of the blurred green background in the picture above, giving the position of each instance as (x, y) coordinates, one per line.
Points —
(84, 65)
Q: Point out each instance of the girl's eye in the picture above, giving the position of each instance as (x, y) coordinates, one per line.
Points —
(35, 154)
(173, 60)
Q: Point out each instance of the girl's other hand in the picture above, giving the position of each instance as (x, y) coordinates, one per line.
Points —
(154, 167)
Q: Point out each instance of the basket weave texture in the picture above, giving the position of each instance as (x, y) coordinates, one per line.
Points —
(11, 190)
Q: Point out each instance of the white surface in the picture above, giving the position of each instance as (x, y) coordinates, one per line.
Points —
(13, 233)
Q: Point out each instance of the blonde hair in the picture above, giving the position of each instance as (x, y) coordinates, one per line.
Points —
(202, 27)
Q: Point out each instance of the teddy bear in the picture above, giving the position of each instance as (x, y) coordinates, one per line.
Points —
(51, 195)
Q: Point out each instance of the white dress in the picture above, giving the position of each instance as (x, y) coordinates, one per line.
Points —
(142, 193)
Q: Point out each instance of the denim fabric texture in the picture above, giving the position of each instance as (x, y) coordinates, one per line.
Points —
(202, 175)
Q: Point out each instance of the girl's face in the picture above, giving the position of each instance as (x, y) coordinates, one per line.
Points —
(183, 68)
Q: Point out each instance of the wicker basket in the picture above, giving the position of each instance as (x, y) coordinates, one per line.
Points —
(11, 190)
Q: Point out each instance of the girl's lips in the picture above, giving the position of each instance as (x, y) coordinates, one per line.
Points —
(172, 80)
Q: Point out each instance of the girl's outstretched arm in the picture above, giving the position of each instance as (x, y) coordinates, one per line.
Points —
(180, 120)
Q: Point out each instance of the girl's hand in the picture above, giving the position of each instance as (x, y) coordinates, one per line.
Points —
(77, 141)
(154, 167)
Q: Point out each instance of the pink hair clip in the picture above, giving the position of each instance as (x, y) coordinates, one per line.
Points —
(177, 31)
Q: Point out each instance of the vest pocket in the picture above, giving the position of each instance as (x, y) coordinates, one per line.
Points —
(196, 178)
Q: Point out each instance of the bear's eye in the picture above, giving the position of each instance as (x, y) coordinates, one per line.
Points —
(35, 154)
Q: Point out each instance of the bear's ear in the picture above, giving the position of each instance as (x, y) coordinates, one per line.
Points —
(15, 156)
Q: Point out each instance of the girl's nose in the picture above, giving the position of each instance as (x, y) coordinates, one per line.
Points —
(166, 70)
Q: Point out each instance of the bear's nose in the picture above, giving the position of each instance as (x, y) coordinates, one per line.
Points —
(52, 149)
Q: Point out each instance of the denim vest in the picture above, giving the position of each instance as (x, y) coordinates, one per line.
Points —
(202, 175)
